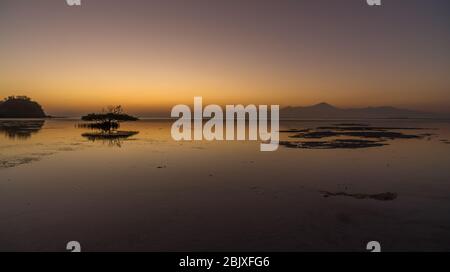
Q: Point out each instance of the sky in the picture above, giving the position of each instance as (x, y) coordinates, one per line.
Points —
(149, 55)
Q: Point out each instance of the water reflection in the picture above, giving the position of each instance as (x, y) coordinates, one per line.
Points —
(20, 129)
(399, 191)
(114, 139)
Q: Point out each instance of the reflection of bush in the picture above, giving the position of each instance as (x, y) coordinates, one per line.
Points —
(108, 122)
(20, 129)
(112, 135)
(104, 126)
(112, 138)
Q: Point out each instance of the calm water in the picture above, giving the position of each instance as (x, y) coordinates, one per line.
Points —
(151, 193)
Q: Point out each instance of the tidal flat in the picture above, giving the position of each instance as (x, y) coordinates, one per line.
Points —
(148, 192)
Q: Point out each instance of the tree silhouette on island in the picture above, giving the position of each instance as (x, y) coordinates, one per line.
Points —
(20, 107)
(107, 123)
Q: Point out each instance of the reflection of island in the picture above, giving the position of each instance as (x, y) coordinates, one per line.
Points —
(20, 129)
(106, 124)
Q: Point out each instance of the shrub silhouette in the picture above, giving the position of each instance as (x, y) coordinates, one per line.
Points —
(109, 120)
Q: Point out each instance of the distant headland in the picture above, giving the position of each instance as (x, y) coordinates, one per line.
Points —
(20, 107)
(327, 111)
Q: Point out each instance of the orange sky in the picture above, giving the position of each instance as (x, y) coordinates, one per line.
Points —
(149, 56)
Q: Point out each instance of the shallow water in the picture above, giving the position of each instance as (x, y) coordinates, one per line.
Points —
(150, 193)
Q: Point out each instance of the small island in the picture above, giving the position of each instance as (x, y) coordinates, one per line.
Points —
(107, 123)
(20, 107)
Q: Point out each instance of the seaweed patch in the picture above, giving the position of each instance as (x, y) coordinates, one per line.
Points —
(388, 196)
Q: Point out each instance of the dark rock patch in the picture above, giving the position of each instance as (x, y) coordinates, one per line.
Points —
(18, 161)
(376, 135)
(381, 197)
(334, 144)
(367, 128)
(295, 130)
(361, 134)
(352, 125)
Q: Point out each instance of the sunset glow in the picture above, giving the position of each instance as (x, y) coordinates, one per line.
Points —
(151, 55)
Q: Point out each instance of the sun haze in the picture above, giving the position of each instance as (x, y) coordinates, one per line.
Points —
(151, 55)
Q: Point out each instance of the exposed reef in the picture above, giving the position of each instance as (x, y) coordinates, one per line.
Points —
(355, 136)
(333, 144)
(362, 134)
(381, 197)
(9, 163)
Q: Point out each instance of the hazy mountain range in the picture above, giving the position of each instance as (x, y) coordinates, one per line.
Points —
(327, 111)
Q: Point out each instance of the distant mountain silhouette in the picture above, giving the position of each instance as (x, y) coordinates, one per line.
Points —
(20, 107)
(327, 111)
